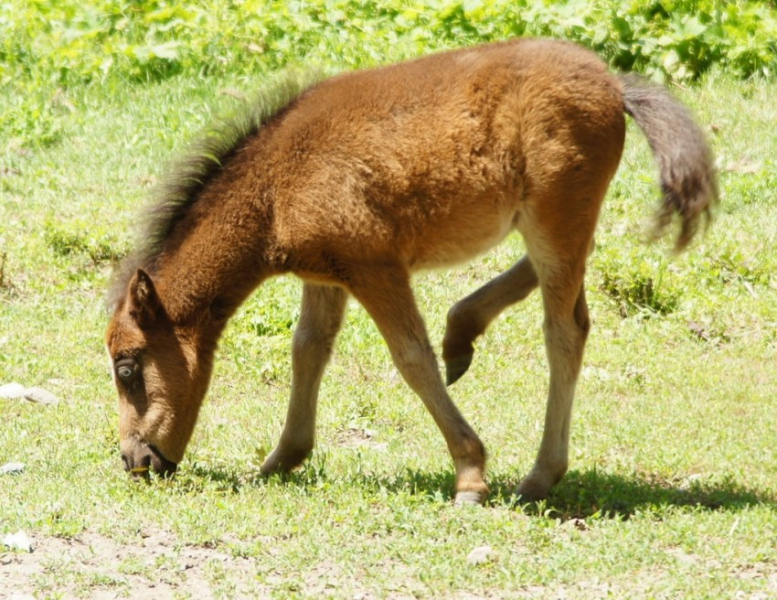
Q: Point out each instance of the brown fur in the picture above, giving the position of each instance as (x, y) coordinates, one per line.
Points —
(360, 180)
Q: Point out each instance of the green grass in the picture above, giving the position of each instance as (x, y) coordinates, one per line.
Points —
(674, 447)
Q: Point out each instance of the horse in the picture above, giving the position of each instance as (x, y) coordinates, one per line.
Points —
(354, 182)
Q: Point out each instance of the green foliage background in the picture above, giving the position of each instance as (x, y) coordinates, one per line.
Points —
(72, 41)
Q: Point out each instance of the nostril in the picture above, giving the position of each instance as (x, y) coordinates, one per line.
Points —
(137, 460)
(140, 458)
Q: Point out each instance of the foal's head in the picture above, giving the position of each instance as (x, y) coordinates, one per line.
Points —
(161, 370)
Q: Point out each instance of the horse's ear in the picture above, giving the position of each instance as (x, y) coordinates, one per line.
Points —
(144, 302)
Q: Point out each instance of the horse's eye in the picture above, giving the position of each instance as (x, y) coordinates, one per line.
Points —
(125, 369)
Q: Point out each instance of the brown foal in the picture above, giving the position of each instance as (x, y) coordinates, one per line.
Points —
(354, 182)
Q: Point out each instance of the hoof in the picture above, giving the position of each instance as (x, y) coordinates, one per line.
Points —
(469, 498)
(279, 462)
(535, 487)
(456, 367)
(266, 470)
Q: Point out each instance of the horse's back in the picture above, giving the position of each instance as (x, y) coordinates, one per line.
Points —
(432, 161)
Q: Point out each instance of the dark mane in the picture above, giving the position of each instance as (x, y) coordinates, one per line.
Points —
(180, 188)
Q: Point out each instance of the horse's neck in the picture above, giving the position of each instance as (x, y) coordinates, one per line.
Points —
(211, 268)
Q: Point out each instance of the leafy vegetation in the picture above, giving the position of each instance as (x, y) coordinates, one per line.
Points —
(67, 42)
(640, 289)
(672, 491)
(45, 47)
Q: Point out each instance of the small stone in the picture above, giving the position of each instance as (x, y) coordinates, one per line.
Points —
(18, 541)
(480, 555)
(33, 394)
(41, 396)
(690, 481)
(576, 523)
(12, 390)
(11, 467)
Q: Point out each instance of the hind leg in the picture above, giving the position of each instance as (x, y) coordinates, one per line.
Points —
(469, 318)
(320, 320)
(566, 329)
(559, 235)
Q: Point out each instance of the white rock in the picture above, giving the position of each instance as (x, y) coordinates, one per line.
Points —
(33, 394)
(11, 467)
(41, 396)
(18, 541)
(12, 390)
(578, 524)
(480, 555)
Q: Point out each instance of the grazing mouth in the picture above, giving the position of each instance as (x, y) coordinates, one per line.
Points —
(140, 459)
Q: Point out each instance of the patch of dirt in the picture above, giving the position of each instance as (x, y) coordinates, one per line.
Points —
(97, 567)
(156, 565)
(357, 437)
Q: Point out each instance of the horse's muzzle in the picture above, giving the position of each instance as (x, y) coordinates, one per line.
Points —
(140, 459)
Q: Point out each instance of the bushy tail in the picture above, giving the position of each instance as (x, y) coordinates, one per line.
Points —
(688, 179)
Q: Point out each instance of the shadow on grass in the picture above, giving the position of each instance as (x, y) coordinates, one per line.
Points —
(580, 494)
(200, 476)
(588, 493)
(583, 494)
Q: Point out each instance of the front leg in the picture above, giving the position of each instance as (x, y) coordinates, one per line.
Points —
(386, 295)
(322, 313)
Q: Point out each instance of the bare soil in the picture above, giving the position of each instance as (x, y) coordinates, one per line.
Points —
(97, 567)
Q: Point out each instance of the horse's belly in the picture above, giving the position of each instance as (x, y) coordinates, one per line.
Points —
(460, 238)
